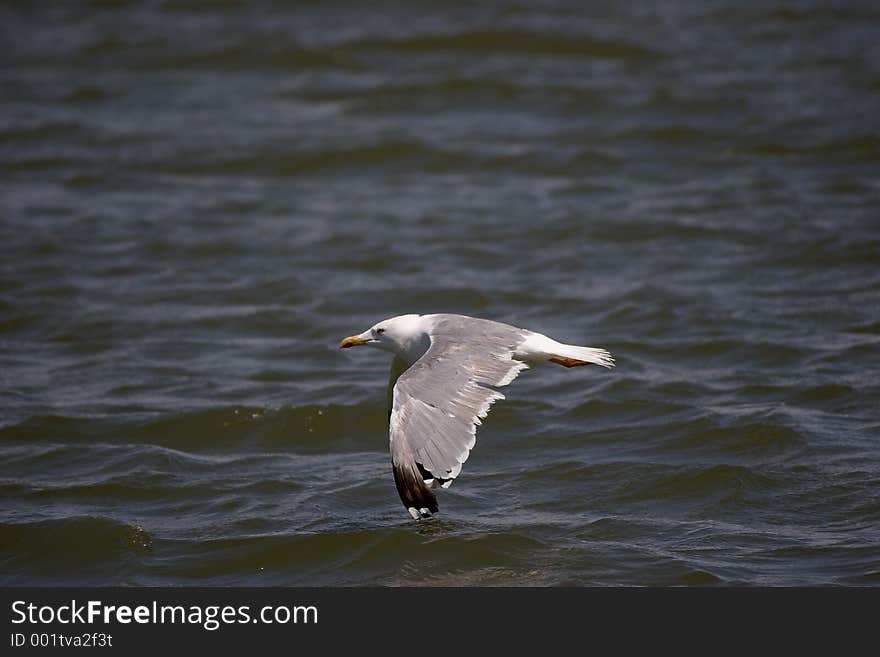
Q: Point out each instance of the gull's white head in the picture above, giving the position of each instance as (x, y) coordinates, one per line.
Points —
(400, 335)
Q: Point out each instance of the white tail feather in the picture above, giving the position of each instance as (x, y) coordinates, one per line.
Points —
(592, 355)
(537, 349)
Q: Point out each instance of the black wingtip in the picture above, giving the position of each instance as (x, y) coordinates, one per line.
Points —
(414, 493)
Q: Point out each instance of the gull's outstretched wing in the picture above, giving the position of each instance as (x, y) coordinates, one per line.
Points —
(438, 402)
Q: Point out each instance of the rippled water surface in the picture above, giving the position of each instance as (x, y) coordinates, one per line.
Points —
(198, 200)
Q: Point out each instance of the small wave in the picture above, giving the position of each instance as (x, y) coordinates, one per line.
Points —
(86, 94)
(450, 88)
(753, 439)
(871, 328)
(304, 429)
(698, 482)
(629, 409)
(696, 578)
(316, 555)
(682, 135)
(864, 146)
(709, 351)
(511, 42)
(39, 163)
(632, 481)
(822, 395)
(69, 544)
(41, 131)
(249, 55)
(273, 163)
(485, 576)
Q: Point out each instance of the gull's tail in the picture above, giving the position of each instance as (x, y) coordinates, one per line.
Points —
(570, 355)
(538, 349)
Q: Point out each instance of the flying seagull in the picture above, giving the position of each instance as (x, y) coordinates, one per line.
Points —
(444, 376)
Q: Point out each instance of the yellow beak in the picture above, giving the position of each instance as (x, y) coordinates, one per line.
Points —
(352, 341)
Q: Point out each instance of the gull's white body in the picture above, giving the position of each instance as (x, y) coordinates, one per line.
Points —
(409, 336)
(443, 380)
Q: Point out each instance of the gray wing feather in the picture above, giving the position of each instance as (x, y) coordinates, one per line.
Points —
(439, 401)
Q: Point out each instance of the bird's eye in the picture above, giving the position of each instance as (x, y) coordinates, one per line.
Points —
(380, 331)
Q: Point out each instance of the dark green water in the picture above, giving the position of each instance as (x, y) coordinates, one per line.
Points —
(198, 200)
